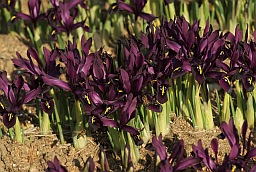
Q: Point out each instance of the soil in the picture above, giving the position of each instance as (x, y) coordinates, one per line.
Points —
(38, 149)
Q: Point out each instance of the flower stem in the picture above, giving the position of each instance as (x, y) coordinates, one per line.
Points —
(79, 142)
(45, 128)
(56, 112)
(17, 130)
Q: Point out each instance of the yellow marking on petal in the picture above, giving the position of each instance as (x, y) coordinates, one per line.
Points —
(47, 104)
(1, 104)
(222, 52)
(10, 115)
(176, 69)
(53, 32)
(107, 110)
(13, 17)
(227, 80)
(163, 90)
(199, 68)
(150, 61)
(104, 63)
(9, 2)
(240, 70)
(249, 80)
(114, 6)
(87, 98)
(108, 82)
(227, 46)
(120, 91)
(53, 17)
(93, 119)
(233, 168)
(156, 23)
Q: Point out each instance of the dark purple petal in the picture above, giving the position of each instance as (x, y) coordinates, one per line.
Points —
(86, 45)
(234, 152)
(56, 162)
(33, 53)
(187, 162)
(159, 147)
(217, 45)
(140, 60)
(30, 95)
(125, 81)
(248, 83)
(173, 45)
(9, 119)
(73, 3)
(134, 134)
(200, 152)
(51, 81)
(34, 8)
(225, 83)
(130, 129)
(222, 65)
(244, 130)
(177, 151)
(198, 74)
(227, 131)
(90, 163)
(155, 107)
(95, 98)
(77, 25)
(251, 153)
(166, 166)
(47, 106)
(87, 65)
(108, 122)
(161, 95)
(253, 168)
(215, 145)
(24, 16)
(128, 111)
(11, 96)
(51, 165)
(147, 17)
(4, 83)
(26, 64)
(124, 6)
(98, 69)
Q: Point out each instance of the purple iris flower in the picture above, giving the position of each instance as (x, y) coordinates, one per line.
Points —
(17, 93)
(62, 16)
(55, 166)
(176, 161)
(136, 9)
(34, 12)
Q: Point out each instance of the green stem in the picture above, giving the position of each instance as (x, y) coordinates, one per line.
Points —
(45, 128)
(11, 133)
(198, 112)
(56, 113)
(226, 108)
(17, 130)
(249, 115)
(79, 142)
(207, 106)
(134, 150)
